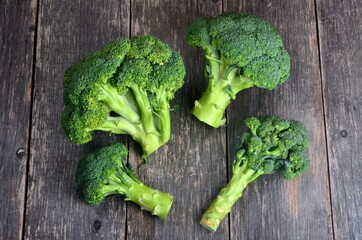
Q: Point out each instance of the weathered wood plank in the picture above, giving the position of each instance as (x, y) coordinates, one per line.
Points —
(192, 166)
(17, 20)
(66, 32)
(272, 207)
(340, 31)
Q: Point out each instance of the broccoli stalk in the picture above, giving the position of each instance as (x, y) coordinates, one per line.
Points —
(221, 206)
(271, 145)
(103, 173)
(149, 127)
(224, 82)
(123, 88)
(241, 51)
(149, 199)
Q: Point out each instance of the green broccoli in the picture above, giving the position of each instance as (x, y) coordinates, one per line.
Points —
(103, 173)
(241, 51)
(123, 88)
(271, 145)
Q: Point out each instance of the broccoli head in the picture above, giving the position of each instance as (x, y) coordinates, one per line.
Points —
(270, 145)
(104, 173)
(123, 88)
(241, 51)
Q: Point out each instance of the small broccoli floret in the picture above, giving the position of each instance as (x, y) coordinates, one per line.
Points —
(241, 51)
(270, 145)
(123, 88)
(104, 173)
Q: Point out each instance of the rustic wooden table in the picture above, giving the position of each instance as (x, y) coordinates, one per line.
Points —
(40, 38)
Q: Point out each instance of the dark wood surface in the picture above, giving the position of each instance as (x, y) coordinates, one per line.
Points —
(17, 25)
(40, 38)
(340, 31)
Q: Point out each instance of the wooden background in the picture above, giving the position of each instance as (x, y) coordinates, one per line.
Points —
(40, 38)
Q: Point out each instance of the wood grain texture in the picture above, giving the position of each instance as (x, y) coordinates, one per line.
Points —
(17, 21)
(340, 31)
(68, 31)
(272, 207)
(192, 166)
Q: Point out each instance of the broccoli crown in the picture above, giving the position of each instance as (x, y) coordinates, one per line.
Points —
(102, 173)
(124, 79)
(151, 65)
(273, 144)
(245, 41)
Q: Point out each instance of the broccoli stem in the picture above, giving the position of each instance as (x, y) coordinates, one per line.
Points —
(211, 106)
(145, 108)
(149, 141)
(118, 103)
(222, 204)
(165, 124)
(150, 199)
(156, 126)
(118, 125)
(137, 118)
(224, 83)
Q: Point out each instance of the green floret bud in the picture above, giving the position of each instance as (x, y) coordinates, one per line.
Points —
(253, 124)
(271, 145)
(151, 48)
(198, 33)
(123, 88)
(104, 173)
(241, 51)
(133, 72)
(297, 165)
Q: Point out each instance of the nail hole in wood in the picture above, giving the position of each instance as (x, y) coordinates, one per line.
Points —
(20, 153)
(97, 225)
(343, 133)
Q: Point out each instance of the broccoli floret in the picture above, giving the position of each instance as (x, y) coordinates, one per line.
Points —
(123, 88)
(241, 51)
(104, 173)
(270, 145)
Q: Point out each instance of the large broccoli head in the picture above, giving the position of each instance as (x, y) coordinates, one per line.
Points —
(123, 88)
(241, 51)
(104, 173)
